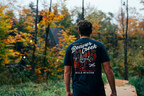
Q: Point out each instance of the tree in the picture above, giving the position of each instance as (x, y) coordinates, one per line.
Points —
(142, 2)
(104, 30)
(67, 22)
(25, 22)
(35, 40)
(125, 45)
(48, 19)
(82, 9)
(46, 38)
(5, 25)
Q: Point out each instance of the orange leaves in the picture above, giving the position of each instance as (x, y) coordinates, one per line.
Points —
(50, 17)
(25, 11)
(96, 27)
(5, 25)
(59, 69)
(13, 53)
(66, 39)
(20, 37)
(2, 8)
(38, 71)
(5, 21)
(10, 42)
(28, 66)
(55, 55)
(135, 26)
(28, 19)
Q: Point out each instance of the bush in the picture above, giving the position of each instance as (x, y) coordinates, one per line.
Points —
(15, 76)
(139, 84)
(3, 79)
(104, 78)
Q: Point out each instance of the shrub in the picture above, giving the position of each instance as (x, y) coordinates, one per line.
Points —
(3, 79)
(104, 78)
(139, 84)
(15, 76)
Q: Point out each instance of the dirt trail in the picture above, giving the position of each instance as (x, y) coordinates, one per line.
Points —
(123, 89)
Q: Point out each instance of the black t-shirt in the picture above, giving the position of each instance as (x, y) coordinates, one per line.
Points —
(85, 56)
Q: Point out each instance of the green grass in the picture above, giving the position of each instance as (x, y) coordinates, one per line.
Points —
(54, 88)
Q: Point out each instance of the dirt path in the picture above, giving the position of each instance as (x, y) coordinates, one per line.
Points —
(123, 89)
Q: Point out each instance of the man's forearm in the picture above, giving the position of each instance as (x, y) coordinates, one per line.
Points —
(67, 81)
(111, 80)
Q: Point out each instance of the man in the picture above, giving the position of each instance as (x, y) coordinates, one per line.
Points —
(84, 58)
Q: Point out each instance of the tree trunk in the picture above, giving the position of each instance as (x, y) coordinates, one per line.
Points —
(82, 9)
(46, 44)
(35, 42)
(46, 38)
(126, 43)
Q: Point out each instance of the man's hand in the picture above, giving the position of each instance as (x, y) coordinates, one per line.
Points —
(110, 76)
(69, 94)
(113, 94)
(67, 73)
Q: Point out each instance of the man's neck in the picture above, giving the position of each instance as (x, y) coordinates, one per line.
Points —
(84, 37)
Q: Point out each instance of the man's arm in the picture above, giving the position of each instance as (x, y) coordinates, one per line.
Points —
(110, 76)
(67, 74)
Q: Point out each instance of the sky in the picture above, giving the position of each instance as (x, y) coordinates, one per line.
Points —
(104, 5)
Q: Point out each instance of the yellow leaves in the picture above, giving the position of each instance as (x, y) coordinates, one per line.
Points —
(13, 53)
(96, 27)
(66, 39)
(20, 37)
(56, 54)
(30, 28)
(6, 60)
(5, 21)
(59, 69)
(41, 70)
(11, 50)
(27, 19)
(2, 8)
(50, 17)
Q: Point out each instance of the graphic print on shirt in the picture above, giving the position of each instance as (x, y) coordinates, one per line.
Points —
(84, 56)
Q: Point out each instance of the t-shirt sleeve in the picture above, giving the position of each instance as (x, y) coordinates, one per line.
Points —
(104, 55)
(67, 59)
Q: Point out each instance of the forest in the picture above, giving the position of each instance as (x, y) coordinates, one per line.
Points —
(33, 43)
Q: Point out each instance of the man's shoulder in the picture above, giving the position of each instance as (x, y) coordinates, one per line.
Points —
(97, 42)
(78, 42)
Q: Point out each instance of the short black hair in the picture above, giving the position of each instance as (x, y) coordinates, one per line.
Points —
(85, 27)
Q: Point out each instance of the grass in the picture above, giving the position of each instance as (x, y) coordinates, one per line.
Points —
(53, 88)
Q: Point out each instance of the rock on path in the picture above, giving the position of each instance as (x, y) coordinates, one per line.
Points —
(123, 88)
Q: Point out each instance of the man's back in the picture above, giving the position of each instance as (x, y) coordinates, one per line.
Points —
(85, 56)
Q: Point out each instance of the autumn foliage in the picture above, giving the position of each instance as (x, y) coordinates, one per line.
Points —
(17, 42)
